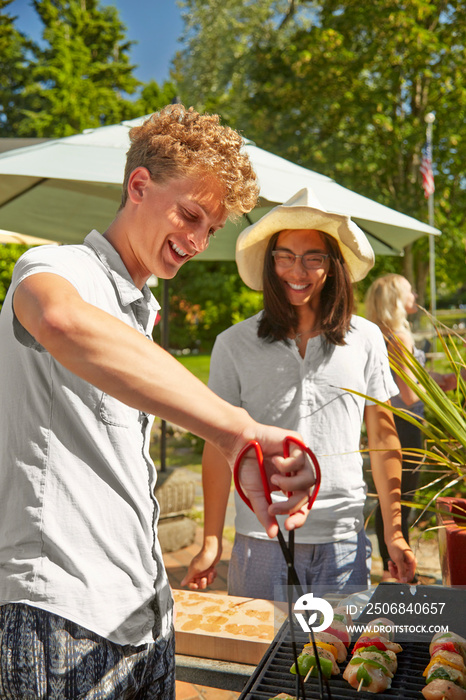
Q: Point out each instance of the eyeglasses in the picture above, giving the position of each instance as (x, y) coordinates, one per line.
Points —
(311, 261)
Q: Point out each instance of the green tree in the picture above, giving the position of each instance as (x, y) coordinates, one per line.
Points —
(152, 97)
(9, 254)
(82, 74)
(13, 69)
(210, 75)
(205, 299)
(78, 77)
(343, 87)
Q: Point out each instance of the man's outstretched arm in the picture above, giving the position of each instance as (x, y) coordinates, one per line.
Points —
(120, 361)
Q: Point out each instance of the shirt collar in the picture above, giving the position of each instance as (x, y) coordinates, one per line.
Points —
(109, 257)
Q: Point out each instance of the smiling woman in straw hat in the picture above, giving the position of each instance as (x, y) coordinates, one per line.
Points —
(287, 366)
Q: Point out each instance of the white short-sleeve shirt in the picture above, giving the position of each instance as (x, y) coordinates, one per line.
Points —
(279, 387)
(78, 515)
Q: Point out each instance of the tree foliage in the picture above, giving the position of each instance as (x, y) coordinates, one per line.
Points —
(152, 97)
(78, 76)
(343, 88)
(13, 69)
(205, 298)
(9, 254)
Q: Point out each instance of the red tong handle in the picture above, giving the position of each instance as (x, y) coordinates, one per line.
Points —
(260, 460)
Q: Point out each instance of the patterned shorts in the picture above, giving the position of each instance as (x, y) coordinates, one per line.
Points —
(45, 657)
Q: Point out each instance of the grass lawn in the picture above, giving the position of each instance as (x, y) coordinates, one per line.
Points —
(197, 364)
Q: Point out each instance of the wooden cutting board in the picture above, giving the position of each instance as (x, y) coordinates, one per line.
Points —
(228, 628)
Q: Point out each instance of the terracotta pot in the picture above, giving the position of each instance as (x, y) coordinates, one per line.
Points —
(452, 540)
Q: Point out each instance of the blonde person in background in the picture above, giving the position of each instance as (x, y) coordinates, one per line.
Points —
(389, 301)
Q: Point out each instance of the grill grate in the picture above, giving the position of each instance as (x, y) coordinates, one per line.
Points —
(273, 676)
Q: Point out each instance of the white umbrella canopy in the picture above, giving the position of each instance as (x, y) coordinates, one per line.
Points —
(61, 189)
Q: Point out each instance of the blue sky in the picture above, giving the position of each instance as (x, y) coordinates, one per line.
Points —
(154, 24)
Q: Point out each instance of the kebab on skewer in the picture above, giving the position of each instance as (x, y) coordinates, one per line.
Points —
(449, 641)
(373, 663)
(379, 632)
(446, 672)
(332, 647)
(307, 663)
(339, 627)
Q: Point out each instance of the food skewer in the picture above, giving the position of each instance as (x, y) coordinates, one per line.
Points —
(446, 671)
(330, 647)
(307, 662)
(373, 661)
(320, 655)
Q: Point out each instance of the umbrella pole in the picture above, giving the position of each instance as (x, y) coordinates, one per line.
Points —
(163, 433)
(429, 119)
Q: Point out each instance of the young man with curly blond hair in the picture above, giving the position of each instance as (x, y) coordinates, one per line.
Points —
(85, 605)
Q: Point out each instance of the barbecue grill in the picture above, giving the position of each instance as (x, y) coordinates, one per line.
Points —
(272, 676)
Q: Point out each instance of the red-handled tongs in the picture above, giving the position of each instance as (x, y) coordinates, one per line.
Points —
(287, 549)
(287, 442)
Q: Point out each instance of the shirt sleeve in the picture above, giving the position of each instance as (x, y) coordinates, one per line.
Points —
(45, 259)
(39, 259)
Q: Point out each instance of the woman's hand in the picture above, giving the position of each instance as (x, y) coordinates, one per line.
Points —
(201, 571)
(447, 382)
(403, 562)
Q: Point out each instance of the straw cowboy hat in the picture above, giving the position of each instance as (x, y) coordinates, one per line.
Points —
(302, 211)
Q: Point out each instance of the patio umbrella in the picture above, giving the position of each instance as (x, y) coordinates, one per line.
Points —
(60, 189)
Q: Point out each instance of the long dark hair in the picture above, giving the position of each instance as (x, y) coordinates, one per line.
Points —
(336, 300)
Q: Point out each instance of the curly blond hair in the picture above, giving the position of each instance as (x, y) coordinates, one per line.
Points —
(179, 142)
(385, 304)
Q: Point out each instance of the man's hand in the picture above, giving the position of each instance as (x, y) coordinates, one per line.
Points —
(293, 475)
